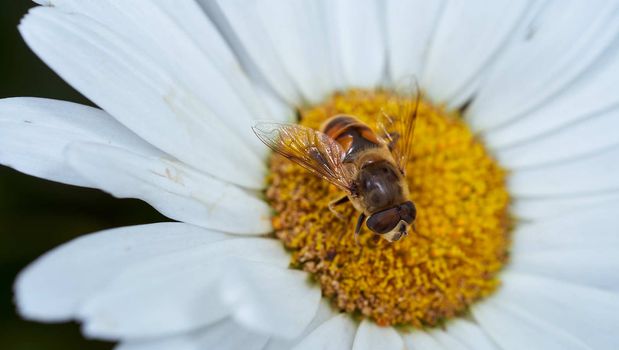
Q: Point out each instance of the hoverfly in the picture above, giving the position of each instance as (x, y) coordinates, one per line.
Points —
(368, 166)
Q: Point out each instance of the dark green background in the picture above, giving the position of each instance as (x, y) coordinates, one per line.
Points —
(37, 215)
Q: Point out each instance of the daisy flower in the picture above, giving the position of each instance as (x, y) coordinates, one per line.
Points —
(514, 173)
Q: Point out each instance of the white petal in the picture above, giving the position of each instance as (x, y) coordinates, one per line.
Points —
(356, 28)
(342, 43)
(596, 267)
(589, 314)
(56, 284)
(576, 140)
(271, 300)
(173, 188)
(224, 335)
(448, 341)
(588, 228)
(34, 133)
(180, 291)
(370, 336)
(410, 25)
(193, 52)
(421, 340)
(335, 334)
(591, 96)
(560, 43)
(277, 107)
(470, 334)
(323, 313)
(468, 36)
(141, 94)
(297, 32)
(545, 207)
(597, 173)
(515, 329)
(245, 32)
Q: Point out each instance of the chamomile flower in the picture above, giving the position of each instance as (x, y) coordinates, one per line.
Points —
(514, 173)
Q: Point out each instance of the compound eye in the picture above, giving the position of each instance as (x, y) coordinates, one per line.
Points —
(408, 212)
(384, 221)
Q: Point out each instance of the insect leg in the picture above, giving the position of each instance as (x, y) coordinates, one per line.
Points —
(334, 203)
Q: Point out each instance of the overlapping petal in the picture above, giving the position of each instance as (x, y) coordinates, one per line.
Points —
(225, 335)
(56, 285)
(370, 336)
(467, 37)
(593, 227)
(594, 174)
(173, 188)
(140, 282)
(573, 141)
(470, 334)
(559, 43)
(267, 298)
(542, 208)
(35, 132)
(343, 43)
(337, 333)
(143, 94)
(156, 298)
(324, 313)
(574, 316)
(513, 328)
(410, 26)
(421, 340)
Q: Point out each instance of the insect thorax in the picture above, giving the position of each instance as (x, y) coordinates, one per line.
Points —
(380, 184)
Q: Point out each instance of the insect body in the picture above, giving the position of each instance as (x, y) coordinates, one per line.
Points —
(368, 168)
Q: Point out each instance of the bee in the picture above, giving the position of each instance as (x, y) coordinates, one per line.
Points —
(368, 166)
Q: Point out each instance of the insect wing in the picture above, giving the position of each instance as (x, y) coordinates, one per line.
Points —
(398, 119)
(309, 148)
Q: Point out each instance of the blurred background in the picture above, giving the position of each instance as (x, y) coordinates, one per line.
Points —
(38, 215)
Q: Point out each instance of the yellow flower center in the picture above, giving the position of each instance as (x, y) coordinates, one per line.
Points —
(461, 236)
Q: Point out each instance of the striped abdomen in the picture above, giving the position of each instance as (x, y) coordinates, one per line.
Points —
(352, 134)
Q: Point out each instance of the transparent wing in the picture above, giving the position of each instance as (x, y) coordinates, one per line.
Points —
(309, 148)
(398, 119)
